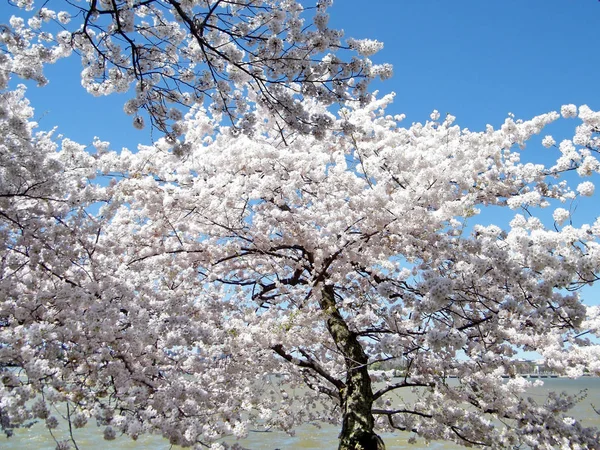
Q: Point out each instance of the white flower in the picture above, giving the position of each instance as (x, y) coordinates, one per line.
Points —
(274, 44)
(130, 107)
(321, 21)
(560, 215)
(365, 47)
(64, 17)
(383, 71)
(175, 114)
(240, 430)
(586, 188)
(46, 14)
(16, 22)
(35, 23)
(568, 111)
(569, 421)
(435, 115)
(548, 141)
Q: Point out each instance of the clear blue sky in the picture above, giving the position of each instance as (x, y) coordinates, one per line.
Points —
(482, 59)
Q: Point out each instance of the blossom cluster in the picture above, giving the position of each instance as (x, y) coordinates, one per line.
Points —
(178, 54)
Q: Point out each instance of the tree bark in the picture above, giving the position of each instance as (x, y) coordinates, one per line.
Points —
(357, 394)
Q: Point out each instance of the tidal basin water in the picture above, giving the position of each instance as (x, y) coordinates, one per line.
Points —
(307, 437)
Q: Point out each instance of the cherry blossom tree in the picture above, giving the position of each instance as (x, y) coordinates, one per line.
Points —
(164, 301)
(218, 283)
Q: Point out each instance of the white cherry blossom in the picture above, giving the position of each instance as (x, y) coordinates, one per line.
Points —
(219, 282)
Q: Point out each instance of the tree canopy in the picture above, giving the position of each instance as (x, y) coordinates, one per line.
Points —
(157, 290)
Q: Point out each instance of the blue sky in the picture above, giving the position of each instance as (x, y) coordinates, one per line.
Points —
(475, 59)
(482, 59)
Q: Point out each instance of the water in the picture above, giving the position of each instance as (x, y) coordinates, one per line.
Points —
(307, 437)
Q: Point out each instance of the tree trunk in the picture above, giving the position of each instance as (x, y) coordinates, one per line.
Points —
(357, 394)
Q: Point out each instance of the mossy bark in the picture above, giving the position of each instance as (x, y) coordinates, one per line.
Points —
(357, 394)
